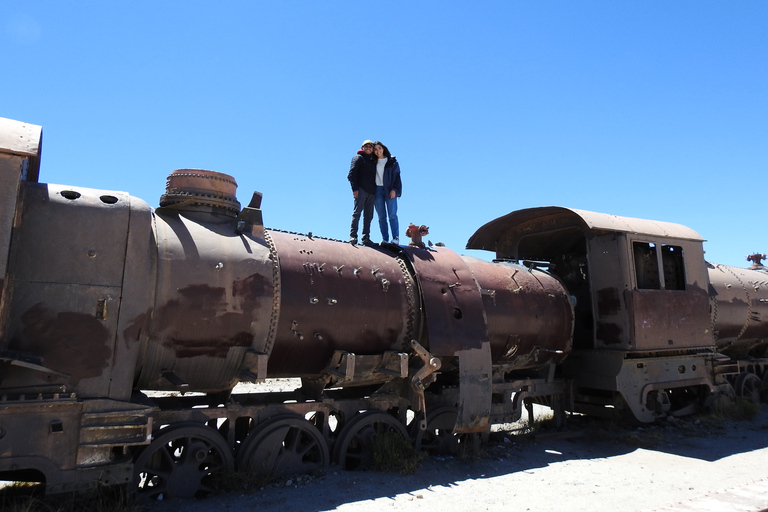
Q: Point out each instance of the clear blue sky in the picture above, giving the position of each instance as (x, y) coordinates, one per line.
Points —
(650, 109)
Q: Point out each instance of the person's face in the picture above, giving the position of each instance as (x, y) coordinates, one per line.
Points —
(368, 149)
(378, 151)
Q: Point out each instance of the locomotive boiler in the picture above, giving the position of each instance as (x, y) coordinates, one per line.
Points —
(125, 329)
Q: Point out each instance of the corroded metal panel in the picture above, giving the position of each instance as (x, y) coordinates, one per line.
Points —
(636, 378)
(24, 140)
(10, 180)
(66, 327)
(213, 301)
(529, 314)
(71, 235)
(20, 147)
(609, 278)
(501, 235)
(337, 296)
(475, 371)
(138, 292)
(40, 434)
(453, 306)
(669, 319)
(67, 283)
(608, 222)
(739, 312)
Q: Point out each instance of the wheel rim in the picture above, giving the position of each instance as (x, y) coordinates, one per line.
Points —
(749, 386)
(181, 462)
(282, 447)
(355, 445)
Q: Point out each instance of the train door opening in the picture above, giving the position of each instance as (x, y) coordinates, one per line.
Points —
(566, 251)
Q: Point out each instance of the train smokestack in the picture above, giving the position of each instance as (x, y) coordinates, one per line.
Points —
(201, 191)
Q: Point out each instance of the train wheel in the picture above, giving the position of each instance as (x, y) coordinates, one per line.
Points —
(439, 438)
(181, 462)
(355, 445)
(748, 385)
(282, 446)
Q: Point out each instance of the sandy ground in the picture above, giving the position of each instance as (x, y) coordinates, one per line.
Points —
(681, 465)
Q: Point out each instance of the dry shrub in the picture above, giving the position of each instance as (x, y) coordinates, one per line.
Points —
(724, 407)
(393, 453)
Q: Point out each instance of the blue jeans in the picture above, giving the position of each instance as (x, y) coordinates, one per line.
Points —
(386, 209)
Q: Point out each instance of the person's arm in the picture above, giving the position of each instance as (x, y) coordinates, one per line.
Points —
(397, 184)
(353, 173)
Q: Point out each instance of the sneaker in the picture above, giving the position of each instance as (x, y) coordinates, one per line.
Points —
(396, 241)
(353, 241)
(367, 242)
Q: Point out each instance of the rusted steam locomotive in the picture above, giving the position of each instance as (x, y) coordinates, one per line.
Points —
(124, 329)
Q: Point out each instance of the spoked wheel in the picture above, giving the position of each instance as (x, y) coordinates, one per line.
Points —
(181, 462)
(282, 446)
(439, 438)
(749, 386)
(355, 445)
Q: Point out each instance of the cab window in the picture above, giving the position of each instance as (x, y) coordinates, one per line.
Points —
(647, 273)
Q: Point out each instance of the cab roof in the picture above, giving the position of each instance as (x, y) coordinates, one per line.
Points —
(550, 218)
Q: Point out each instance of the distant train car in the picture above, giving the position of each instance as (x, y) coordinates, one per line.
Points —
(124, 330)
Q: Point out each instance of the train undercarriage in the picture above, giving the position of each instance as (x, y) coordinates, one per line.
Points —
(165, 444)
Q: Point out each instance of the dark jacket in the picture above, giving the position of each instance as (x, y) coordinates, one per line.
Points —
(391, 177)
(362, 172)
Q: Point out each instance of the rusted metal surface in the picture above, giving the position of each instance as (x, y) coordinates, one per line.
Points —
(67, 285)
(739, 310)
(24, 140)
(757, 262)
(664, 319)
(201, 190)
(20, 147)
(501, 235)
(337, 296)
(453, 307)
(212, 303)
(528, 312)
(639, 289)
(641, 384)
(623, 313)
(475, 374)
(45, 427)
(10, 181)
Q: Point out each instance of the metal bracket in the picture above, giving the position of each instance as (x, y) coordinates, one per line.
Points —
(254, 367)
(431, 365)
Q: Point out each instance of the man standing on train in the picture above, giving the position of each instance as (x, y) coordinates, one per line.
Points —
(362, 178)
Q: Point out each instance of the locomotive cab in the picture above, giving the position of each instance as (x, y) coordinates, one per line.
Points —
(641, 336)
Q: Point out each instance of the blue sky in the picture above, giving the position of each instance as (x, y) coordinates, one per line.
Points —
(650, 109)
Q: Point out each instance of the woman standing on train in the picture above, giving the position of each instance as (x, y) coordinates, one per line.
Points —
(388, 189)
